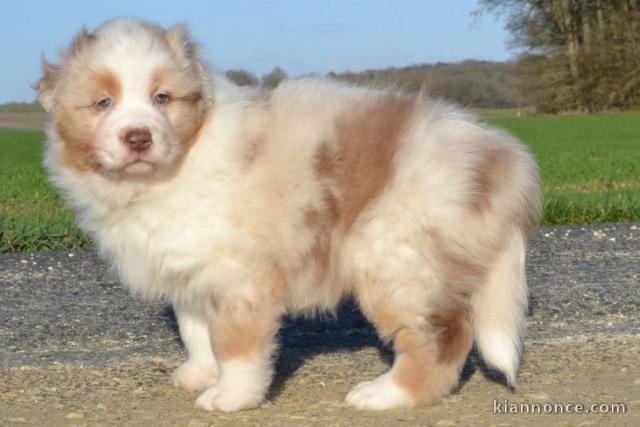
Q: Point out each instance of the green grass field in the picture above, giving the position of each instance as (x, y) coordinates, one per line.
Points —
(32, 214)
(590, 167)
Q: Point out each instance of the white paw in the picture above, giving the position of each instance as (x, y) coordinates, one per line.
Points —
(381, 393)
(192, 376)
(226, 398)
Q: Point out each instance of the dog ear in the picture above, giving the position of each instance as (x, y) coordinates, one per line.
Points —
(80, 41)
(52, 73)
(46, 86)
(186, 50)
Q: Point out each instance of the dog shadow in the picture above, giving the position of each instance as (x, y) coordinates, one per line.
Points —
(301, 339)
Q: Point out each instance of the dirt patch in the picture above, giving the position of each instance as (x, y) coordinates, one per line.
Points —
(33, 121)
(589, 372)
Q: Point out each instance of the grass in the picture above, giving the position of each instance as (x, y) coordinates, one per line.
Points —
(32, 214)
(590, 166)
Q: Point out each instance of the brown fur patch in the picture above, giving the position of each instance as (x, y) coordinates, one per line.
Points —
(492, 172)
(429, 353)
(354, 169)
(429, 356)
(415, 363)
(429, 367)
(108, 83)
(321, 223)
(242, 327)
(187, 119)
(77, 117)
(324, 162)
(493, 176)
(77, 128)
(361, 164)
(454, 333)
(186, 107)
(179, 83)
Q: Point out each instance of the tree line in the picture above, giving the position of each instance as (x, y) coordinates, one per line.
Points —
(469, 83)
(576, 55)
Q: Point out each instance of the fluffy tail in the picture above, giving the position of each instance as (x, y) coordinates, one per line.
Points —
(499, 310)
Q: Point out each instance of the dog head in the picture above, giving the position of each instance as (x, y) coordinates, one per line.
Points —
(126, 100)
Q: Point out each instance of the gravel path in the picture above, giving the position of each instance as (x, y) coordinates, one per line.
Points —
(75, 348)
(68, 308)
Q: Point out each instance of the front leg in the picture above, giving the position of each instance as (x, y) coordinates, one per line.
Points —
(243, 325)
(200, 370)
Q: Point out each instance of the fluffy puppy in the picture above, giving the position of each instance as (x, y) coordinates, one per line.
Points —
(240, 205)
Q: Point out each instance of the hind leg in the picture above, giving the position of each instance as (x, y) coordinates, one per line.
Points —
(430, 343)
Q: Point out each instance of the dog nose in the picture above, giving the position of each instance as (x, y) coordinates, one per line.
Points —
(138, 140)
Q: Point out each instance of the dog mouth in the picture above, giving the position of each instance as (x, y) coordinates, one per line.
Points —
(130, 163)
(138, 167)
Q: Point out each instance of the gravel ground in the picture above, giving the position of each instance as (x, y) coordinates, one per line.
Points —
(138, 394)
(76, 349)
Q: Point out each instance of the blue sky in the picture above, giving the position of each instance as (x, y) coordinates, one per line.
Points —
(299, 36)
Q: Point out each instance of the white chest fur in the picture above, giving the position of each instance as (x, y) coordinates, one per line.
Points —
(159, 249)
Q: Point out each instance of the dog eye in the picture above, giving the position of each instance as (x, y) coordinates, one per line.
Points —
(104, 102)
(160, 98)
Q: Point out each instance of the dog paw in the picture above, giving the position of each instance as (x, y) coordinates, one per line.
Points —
(192, 376)
(381, 393)
(226, 398)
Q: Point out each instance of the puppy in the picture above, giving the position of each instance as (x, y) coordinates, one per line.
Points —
(241, 205)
